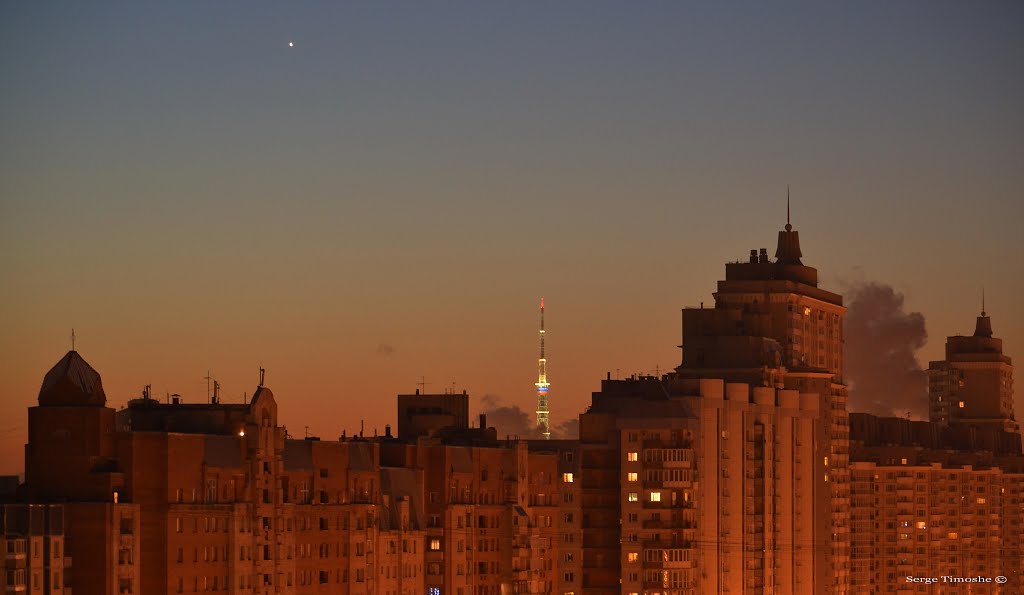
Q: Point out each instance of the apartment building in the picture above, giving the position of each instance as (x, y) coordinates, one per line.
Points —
(33, 548)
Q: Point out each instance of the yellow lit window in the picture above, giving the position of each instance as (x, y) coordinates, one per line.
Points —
(951, 535)
(961, 404)
(567, 477)
(435, 545)
(921, 525)
(631, 476)
(633, 497)
(807, 311)
(632, 456)
(826, 461)
(655, 496)
(981, 500)
(633, 556)
(903, 461)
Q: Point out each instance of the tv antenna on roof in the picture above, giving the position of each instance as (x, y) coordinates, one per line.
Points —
(73, 337)
(207, 378)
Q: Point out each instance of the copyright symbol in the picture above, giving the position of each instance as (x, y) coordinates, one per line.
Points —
(1001, 579)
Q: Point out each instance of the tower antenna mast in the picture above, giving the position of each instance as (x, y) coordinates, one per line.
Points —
(542, 383)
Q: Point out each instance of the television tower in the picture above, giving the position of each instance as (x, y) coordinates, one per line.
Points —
(542, 383)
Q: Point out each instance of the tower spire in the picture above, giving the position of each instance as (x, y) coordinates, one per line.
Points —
(788, 250)
(982, 300)
(542, 382)
(788, 226)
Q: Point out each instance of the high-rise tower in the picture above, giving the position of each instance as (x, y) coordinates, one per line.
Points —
(773, 326)
(974, 384)
(542, 382)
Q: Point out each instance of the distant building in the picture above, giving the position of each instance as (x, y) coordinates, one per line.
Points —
(182, 497)
(974, 384)
(32, 547)
(700, 486)
(931, 501)
(772, 326)
(426, 414)
(72, 458)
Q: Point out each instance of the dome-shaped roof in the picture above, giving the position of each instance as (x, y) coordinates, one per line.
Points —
(72, 382)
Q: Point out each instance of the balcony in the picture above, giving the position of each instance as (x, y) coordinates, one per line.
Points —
(673, 523)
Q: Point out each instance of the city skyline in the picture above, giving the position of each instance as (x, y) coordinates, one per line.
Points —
(387, 198)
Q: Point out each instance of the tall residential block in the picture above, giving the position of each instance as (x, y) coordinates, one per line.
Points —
(773, 326)
(974, 384)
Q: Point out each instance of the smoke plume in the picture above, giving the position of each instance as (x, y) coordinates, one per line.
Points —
(882, 339)
(568, 429)
(511, 420)
(508, 418)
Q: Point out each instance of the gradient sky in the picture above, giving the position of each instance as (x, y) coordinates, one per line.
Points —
(390, 198)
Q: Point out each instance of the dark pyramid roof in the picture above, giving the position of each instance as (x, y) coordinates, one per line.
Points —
(72, 382)
(788, 248)
(983, 327)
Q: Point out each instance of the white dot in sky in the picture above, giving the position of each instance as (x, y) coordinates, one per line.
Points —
(291, 45)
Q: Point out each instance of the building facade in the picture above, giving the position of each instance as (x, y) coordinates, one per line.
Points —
(33, 548)
(175, 497)
(935, 501)
(974, 384)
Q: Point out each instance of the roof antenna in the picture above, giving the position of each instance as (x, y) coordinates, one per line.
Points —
(72, 339)
(983, 300)
(788, 226)
(263, 372)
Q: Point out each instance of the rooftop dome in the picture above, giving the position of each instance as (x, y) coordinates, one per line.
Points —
(72, 382)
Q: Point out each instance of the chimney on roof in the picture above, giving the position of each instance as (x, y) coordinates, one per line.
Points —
(763, 256)
(387, 430)
(483, 421)
(753, 256)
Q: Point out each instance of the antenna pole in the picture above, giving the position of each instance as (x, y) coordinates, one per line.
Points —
(72, 339)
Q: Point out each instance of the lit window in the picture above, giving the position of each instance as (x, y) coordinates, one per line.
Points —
(961, 404)
(631, 476)
(633, 497)
(435, 545)
(826, 461)
(951, 535)
(981, 500)
(632, 456)
(633, 556)
(567, 477)
(807, 311)
(921, 525)
(903, 461)
(655, 496)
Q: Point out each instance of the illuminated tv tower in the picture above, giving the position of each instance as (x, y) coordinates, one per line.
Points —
(542, 382)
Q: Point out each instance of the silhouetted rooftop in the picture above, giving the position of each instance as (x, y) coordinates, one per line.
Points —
(72, 382)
